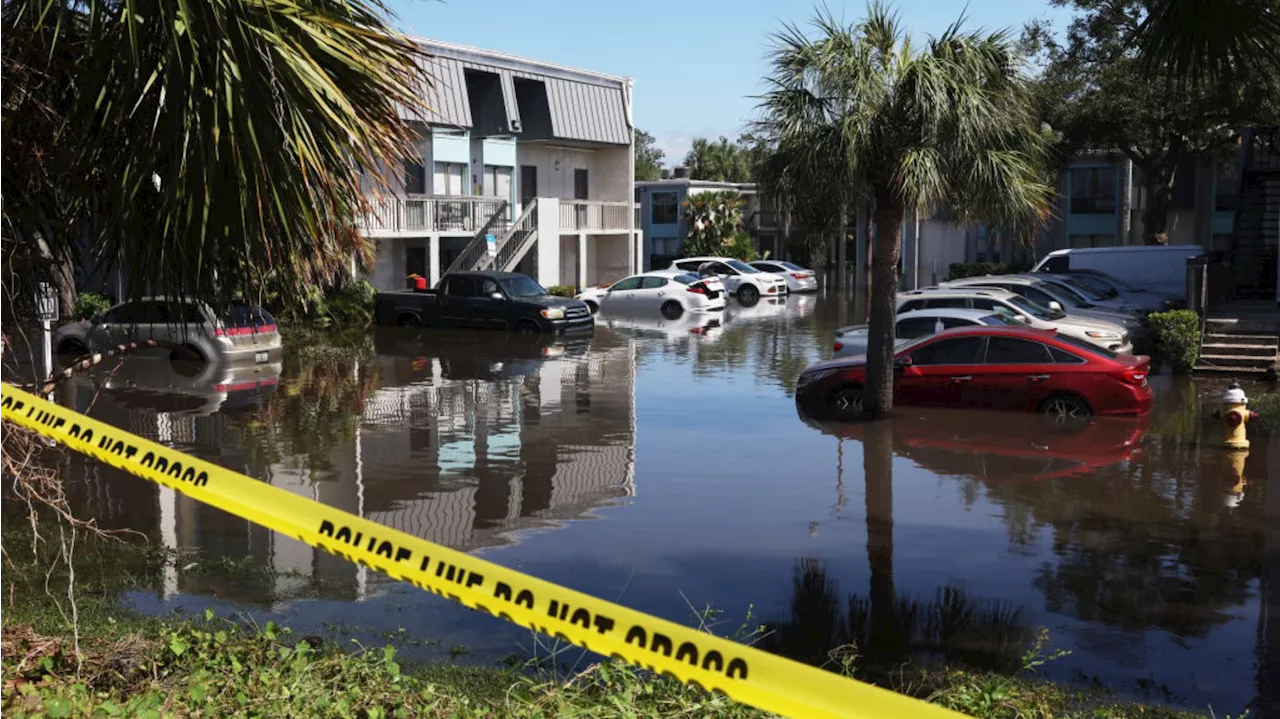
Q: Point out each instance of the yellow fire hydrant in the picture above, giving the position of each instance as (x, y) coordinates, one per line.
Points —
(1236, 415)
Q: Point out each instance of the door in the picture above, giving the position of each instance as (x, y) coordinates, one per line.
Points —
(1015, 374)
(486, 311)
(580, 193)
(940, 372)
(528, 183)
(652, 293)
(622, 293)
(727, 275)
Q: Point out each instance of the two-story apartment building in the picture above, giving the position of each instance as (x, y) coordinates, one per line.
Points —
(663, 223)
(521, 165)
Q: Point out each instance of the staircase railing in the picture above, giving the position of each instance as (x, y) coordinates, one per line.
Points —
(518, 239)
(478, 248)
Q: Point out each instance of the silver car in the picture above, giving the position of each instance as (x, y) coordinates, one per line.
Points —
(189, 330)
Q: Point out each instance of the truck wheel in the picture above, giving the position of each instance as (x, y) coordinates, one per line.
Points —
(527, 327)
(672, 309)
(748, 295)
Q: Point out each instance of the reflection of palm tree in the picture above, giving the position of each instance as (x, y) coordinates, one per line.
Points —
(877, 466)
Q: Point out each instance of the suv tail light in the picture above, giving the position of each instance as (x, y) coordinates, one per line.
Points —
(237, 331)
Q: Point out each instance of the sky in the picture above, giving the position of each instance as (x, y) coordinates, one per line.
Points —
(697, 64)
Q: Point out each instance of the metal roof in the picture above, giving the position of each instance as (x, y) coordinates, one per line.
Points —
(584, 106)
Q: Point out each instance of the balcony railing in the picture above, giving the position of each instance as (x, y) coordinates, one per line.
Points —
(588, 215)
(431, 213)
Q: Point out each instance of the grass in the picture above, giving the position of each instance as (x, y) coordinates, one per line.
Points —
(116, 663)
(1267, 405)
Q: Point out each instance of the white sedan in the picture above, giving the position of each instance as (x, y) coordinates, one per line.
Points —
(798, 278)
(671, 293)
(741, 280)
(910, 326)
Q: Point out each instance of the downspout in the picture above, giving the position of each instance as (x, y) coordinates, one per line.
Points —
(633, 246)
(1124, 217)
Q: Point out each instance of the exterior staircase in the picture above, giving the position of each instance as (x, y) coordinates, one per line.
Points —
(1256, 232)
(1234, 346)
(511, 242)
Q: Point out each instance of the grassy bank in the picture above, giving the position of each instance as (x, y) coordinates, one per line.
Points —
(120, 664)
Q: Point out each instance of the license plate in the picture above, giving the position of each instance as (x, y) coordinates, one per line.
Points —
(260, 357)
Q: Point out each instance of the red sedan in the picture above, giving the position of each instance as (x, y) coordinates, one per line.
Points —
(991, 368)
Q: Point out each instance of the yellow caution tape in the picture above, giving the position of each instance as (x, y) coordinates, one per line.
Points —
(748, 675)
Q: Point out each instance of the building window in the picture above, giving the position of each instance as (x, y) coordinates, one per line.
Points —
(449, 178)
(1093, 190)
(1091, 241)
(580, 184)
(665, 209)
(415, 178)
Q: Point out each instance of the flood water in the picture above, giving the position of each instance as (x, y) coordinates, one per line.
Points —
(663, 464)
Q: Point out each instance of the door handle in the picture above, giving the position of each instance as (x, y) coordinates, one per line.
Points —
(964, 378)
(1037, 378)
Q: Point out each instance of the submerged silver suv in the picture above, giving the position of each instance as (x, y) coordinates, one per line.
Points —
(193, 330)
(1108, 335)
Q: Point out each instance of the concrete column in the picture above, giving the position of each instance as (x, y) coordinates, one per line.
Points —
(1124, 212)
(433, 259)
(637, 252)
(548, 244)
(582, 260)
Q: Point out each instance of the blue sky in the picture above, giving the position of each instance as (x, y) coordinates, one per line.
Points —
(696, 63)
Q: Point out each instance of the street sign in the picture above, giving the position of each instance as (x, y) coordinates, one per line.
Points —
(47, 302)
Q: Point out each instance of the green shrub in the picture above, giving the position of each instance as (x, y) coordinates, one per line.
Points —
(1267, 405)
(742, 246)
(561, 290)
(89, 304)
(960, 270)
(1177, 335)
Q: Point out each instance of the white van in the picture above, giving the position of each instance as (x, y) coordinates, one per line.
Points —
(1155, 268)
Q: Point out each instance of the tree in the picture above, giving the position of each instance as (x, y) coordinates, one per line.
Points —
(952, 122)
(1205, 42)
(649, 157)
(1101, 95)
(712, 219)
(201, 145)
(720, 161)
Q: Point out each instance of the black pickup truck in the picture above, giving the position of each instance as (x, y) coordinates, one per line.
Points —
(484, 300)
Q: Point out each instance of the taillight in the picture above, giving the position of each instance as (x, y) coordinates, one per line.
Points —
(236, 331)
(839, 346)
(1136, 376)
(799, 275)
(698, 289)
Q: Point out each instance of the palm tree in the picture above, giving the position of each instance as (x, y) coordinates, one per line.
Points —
(951, 122)
(1211, 41)
(202, 145)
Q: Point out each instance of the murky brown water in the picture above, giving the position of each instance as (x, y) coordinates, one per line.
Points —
(663, 464)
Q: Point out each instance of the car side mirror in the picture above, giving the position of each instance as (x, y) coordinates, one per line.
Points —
(904, 361)
(497, 296)
(1055, 306)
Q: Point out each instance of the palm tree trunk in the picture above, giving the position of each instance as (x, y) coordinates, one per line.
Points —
(883, 305)
(877, 469)
(842, 246)
(1155, 217)
(865, 216)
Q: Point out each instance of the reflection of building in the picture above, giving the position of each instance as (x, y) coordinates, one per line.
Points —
(445, 449)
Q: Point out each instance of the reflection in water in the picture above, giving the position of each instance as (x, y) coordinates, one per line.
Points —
(1134, 541)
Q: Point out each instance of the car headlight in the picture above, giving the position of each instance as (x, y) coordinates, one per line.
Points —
(809, 378)
(553, 313)
(1102, 335)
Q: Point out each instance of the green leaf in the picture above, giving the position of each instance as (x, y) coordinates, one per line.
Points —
(177, 645)
(58, 707)
(197, 692)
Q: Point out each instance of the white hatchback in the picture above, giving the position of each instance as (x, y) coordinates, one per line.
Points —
(671, 293)
(741, 280)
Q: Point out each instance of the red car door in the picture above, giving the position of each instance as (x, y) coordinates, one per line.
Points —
(939, 372)
(1015, 374)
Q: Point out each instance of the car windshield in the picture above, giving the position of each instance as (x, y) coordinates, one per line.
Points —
(742, 267)
(1099, 287)
(522, 287)
(1000, 319)
(1035, 310)
(245, 316)
(1063, 292)
(686, 279)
